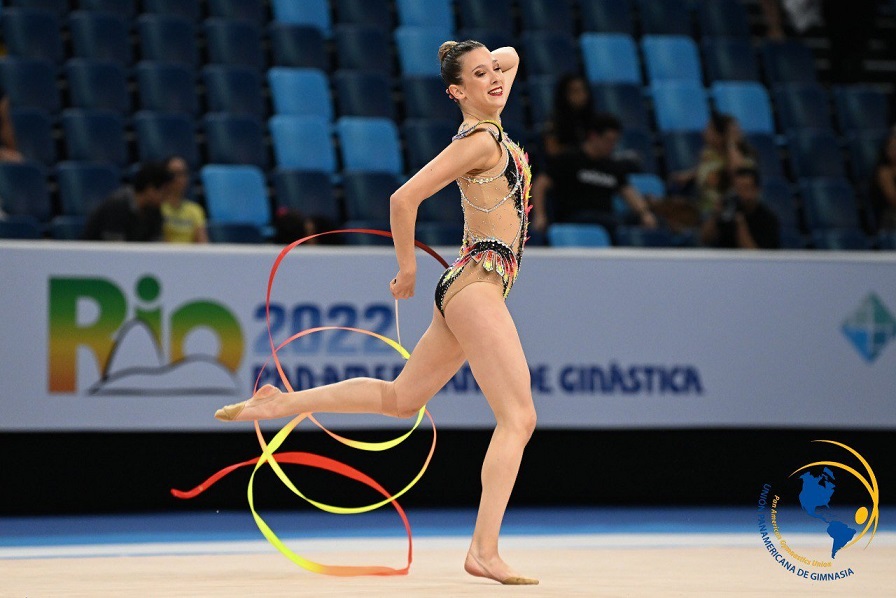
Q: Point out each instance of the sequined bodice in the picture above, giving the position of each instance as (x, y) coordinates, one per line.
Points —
(495, 202)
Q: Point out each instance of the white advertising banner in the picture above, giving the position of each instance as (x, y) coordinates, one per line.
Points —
(155, 338)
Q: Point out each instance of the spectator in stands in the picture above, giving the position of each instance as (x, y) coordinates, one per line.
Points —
(883, 186)
(724, 152)
(573, 110)
(583, 181)
(183, 220)
(133, 212)
(742, 221)
(8, 149)
(291, 225)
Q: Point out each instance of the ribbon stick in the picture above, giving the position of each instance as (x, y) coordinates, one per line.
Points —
(271, 457)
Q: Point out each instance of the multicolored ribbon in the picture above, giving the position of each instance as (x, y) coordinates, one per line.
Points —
(274, 459)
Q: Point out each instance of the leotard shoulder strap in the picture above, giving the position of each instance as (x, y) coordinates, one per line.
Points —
(499, 135)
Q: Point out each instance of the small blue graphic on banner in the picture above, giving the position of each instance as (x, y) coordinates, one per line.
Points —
(870, 328)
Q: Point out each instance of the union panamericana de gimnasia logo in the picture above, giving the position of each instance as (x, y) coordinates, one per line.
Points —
(787, 532)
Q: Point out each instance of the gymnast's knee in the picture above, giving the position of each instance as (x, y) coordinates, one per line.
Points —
(398, 406)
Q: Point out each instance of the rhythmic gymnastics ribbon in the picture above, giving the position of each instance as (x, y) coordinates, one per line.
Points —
(273, 459)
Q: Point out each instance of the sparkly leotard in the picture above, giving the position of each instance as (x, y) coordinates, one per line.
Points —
(495, 203)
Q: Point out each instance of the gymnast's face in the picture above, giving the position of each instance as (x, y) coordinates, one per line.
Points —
(482, 83)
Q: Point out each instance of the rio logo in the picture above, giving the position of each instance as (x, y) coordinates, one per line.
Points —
(129, 343)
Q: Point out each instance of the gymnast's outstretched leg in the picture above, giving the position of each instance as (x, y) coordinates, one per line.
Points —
(435, 359)
(480, 321)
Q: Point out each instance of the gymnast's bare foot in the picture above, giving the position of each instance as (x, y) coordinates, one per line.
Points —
(258, 407)
(497, 569)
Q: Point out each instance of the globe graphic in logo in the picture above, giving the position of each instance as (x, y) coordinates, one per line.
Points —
(817, 495)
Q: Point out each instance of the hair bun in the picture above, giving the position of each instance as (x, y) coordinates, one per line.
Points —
(445, 48)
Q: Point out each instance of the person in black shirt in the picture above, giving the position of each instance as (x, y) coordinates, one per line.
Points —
(582, 182)
(742, 220)
(132, 213)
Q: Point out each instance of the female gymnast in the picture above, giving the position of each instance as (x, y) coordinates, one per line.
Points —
(470, 319)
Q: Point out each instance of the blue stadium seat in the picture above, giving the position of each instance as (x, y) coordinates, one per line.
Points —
(776, 195)
(363, 93)
(32, 33)
(829, 203)
(424, 139)
(681, 149)
(101, 36)
(23, 187)
(234, 89)
(840, 240)
(298, 46)
(723, 18)
(886, 241)
(815, 153)
(425, 13)
(424, 97)
(160, 135)
(95, 136)
(369, 144)
(748, 102)
(864, 149)
(791, 238)
(67, 228)
(164, 87)
(376, 13)
(367, 195)
(768, 157)
(236, 194)
(680, 106)
(303, 143)
(242, 233)
(541, 97)
(488, 15)
(443, 206)
(636, 146)
(168, 38)
(671, 58)
(368, 240)
(300, 92)
(21, 228)
(185, 9)
(125, 9)
(802, 106)
(669, 17)
(98, 84)
(82, 186)
(648, 185)
(549, 53)
(788, 61)
(578, 235)
(235, 139)
(729, 59)
(59, 8)
(30, 83)
(490, 38)
(439, 233)
(623, 100)
(418, 49)
(234, 42)
(861, 107)
(547, 15)
(608, 16)
(309, 192)
(252, 11)
(637, 236)
(309, 12)
(610, 58)
(34, 135)
(363, 48)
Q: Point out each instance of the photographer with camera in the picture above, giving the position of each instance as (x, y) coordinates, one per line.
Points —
(741, 220)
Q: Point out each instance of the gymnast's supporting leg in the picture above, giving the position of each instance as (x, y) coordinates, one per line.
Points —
(480, 321)
(435, 359)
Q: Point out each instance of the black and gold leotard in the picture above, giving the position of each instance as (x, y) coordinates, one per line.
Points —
(496, 207)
